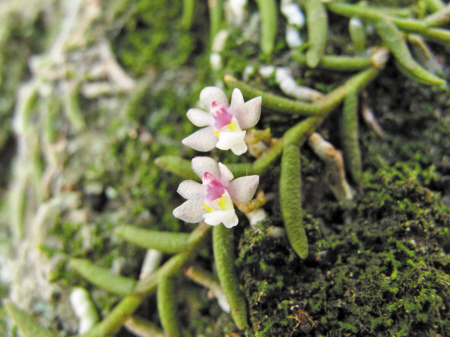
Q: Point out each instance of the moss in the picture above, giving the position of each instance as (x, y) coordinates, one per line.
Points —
(151, 39)
(20, 37)
(386, 272)
(383, 274)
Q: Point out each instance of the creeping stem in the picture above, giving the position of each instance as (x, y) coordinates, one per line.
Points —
(290, 199)
(224, 258)
(319, 107)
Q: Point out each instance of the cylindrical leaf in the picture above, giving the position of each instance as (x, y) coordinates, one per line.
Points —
(317, 23)
(167, 307)
(269, 24)
(25, 322)
(177, 165)
(224, 258)
(166, 242)
(349, 135)
(290, 199)
(102, 277)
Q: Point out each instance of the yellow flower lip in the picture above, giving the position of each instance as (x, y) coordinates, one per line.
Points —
(223, 203)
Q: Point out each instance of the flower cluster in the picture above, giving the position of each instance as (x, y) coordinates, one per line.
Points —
(224, 124)
(224, 128)
(212, 200)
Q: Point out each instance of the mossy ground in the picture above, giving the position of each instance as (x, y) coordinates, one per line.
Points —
(385, 272)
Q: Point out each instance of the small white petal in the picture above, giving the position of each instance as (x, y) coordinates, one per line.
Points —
(231, 222)
(240, 148)
(190, 211)
(229, 139)
(249, 115)
(217, 217)
(190, 189)
(203, 140)
(226, 174)
(199, 117)
(213, 94)
(237, 102)
(201, 165)
(242, 189)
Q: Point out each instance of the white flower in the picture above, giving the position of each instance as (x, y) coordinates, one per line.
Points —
(225, 124)
(212, 201)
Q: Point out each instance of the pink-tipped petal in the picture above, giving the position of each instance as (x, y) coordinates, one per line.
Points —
(213, 94)
(240, 148)
(250, 114)
(201, 165)
(203, 140)
(190, 189)
(242, 189)
(226, 174)
(199, 117)
(217, 217)
(237, 102)
(190, 211)
(229, 139)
